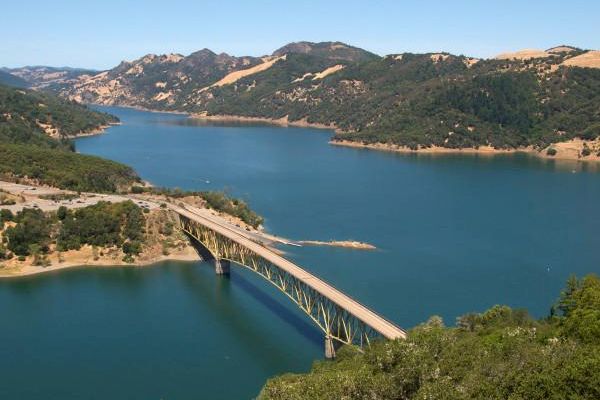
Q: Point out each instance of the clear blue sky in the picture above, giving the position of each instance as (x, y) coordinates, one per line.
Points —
(99, 34)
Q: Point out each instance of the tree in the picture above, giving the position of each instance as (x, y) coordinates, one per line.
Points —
(580, 304)
(498, 354)
(33, 228)
(62, 212)
(6, 215)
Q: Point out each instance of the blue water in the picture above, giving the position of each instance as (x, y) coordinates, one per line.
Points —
(454, 234)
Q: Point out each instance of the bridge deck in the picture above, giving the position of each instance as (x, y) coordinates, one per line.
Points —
(375, 321)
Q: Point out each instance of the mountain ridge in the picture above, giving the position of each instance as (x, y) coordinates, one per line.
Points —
(534, 98)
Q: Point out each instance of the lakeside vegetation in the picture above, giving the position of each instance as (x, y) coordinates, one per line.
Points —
(25, 112)
(63, 169)
(28, 153)
(216, 200)
(103, 225)
(499, 354)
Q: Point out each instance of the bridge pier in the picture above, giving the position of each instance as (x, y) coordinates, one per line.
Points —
(330, 347)
(222, 267)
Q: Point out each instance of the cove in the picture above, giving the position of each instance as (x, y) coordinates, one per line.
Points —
(455, 233)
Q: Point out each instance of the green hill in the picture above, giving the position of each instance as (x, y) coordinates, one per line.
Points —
(27, 152)
(333, 51)
(8, 79)
(27, 115)
(499, 354)
(415, 101)
(411, 100)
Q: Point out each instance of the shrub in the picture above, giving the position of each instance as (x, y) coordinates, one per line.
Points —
(31, 232)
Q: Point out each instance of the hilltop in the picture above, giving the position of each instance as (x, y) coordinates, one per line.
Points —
(334, 51)
(526, 100)
(42, 77)
(8, 79)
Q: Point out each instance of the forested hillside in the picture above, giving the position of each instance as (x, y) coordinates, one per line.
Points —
(8, 79)
(33, 143)
(428, 100)
(409, 100)
(499, 354)
(28, 114)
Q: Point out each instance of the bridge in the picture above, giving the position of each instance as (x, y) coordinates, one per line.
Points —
(342, 319)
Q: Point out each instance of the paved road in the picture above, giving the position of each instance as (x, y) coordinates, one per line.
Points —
(32, 200)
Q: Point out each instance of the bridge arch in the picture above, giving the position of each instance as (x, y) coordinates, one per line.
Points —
(341, 319)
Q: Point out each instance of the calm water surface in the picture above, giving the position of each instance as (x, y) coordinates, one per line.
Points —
(454, 234)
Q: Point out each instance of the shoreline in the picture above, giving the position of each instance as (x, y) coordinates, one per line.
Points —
(94, 132)
(139, 108)
(284, 121)
(567, 151)
(30, 270)
(203, 116)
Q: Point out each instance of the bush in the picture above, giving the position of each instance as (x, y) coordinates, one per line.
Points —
(32, 231)
(6, 215)
(103, 224)
(219, 201)
(499, 354)
(580, 307)
(137, 189)
(4, 253)
(132, 248)
(551, 152)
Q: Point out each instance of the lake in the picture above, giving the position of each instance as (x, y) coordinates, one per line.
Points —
(455, 234)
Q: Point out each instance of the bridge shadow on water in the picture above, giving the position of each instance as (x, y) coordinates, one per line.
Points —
(299, 323)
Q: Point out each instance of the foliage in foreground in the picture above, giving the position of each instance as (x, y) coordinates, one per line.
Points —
(499, 354)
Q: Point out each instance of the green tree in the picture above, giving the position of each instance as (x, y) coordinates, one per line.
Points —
(498, 354)
(580, 305)
(33, 228)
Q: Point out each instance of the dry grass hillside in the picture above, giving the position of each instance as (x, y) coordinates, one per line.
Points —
(523, 55)
(591, 59)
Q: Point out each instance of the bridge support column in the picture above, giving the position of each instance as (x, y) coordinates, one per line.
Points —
(222, 267)
(330, 347)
